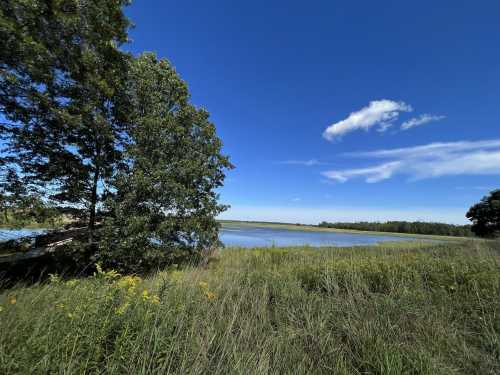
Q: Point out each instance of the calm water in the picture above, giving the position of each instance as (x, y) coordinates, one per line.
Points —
(248, 236)
(12, 234)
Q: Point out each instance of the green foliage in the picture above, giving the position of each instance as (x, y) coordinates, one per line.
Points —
(485, 215)
(60, 69)
(86, 121)
(19, 207)
(409, 308)
(165, 200)
(417, 227)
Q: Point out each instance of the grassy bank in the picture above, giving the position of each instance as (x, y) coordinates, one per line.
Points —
(13, 223)
(389, 309)
(315, 228)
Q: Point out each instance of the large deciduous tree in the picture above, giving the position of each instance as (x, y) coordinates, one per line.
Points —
(485, 215)
(165, 201)
(60, 70)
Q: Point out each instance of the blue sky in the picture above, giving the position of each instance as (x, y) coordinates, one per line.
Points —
(341, 110)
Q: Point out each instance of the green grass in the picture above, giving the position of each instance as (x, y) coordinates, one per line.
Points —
(314, 228)
(13, 223)
(415, 308)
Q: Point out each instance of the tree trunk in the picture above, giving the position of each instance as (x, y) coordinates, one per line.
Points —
(93, 197)
(93, 204)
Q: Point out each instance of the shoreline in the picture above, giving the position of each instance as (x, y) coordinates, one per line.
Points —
(313, 228)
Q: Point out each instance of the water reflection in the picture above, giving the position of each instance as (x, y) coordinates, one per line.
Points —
(250, 236)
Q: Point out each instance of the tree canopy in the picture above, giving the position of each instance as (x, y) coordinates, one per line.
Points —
(87, 126)
(164, 205)
(60, 71)
(485, 215)
(416, 227)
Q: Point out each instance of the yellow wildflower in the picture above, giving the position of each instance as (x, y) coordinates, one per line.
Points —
(145, 295)
(203, 285)
(155, 300)
(121, 310)
(112, 274)
(1, 308)
(12, 300)
(129, 282)
(60, 305)
(70, 315)
(210, 296)
(98, 268)
(108, 275)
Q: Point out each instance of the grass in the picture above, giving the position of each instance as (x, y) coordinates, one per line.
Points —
(314, 228)
(414, 308)
(13, 223)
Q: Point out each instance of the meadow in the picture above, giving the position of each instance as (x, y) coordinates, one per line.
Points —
(394, 308)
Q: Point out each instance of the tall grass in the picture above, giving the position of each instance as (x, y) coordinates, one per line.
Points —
(389, 309)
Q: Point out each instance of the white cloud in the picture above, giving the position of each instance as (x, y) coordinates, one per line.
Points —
(307, 163)
(384, 127)
(431, 150)
(421, 120)
(372, 174)
(380, 113)
(296, 200)
(428, 161)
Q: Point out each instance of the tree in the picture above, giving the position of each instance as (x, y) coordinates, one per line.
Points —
(60, 70)
(485, 215)
(19, 205)
(165, 202)
(12, 193)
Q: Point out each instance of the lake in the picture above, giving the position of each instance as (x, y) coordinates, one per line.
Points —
(233, 235)
(255, 236)
(13, 234)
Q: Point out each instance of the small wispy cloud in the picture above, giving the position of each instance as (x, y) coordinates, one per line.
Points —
(372, 174)
(427, 161)
(420, 120)
(384, 127)
(296, 199)
(307, 163)
(381, 113)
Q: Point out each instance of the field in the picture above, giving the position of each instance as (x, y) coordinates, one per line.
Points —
(395, 308)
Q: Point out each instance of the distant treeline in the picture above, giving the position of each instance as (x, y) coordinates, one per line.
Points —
(417, 227)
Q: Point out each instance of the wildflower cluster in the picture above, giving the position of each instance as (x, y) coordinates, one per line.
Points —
(125, 291)
(129, 286)
(204, 288)
(128, 283)
(107, 275)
